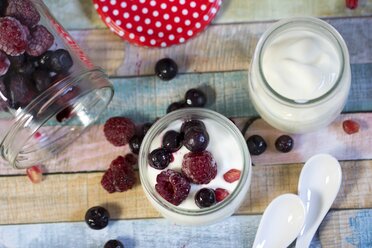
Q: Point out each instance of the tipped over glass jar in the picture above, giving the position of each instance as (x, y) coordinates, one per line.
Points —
(300, 75)
(50, 92)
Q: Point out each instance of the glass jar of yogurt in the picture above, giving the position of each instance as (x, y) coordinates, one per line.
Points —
(50, 92)
(300, 75)
(228, 148)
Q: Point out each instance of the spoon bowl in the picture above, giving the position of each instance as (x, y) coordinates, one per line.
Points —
(318, 186)
(281, 222)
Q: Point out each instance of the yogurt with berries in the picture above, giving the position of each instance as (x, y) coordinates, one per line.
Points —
(200, 176)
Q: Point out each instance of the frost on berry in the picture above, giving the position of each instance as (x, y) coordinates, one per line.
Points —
(13, 38)
(119, 130)
(35, 174)
(40, 41)
(24, 11)
(199, 167)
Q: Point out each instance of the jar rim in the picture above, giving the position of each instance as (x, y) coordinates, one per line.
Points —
(314, 23)
(159, 126)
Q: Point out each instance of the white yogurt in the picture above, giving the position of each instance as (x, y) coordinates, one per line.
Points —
(224, 149)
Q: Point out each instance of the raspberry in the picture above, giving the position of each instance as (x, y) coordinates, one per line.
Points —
(24, 11)
(35, 174)
(13, 38)
(40, 41)
(172, 186)
(350, 126)
(199, 167)
(232, 175)
(119, 177)
(221, 194)
(119, 130)
(4, 63)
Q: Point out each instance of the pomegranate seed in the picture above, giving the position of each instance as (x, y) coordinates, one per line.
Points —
(351, 4)
(35, 174)
(350, 126)
(221, 194)
(232, 175)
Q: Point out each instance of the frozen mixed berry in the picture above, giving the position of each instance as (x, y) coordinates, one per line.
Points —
(20, 90)
(107, 181)
(17, 61)
(195, 98)
(172, 141)
(196, 139)
(351, 4)
(123, 174)
(4, 63)
(175, 106)
(42, 79)
(131, 159)
(199, 167)
(119, 130)
(284, 143)
(166, 69)
(43, 61)
(205, 198)
(40, 41)
(24, 11)
(135, 144)
(60, 61)
(160, 158)
(27, 68)
(145, 128)
(350, 126)
(113, 243)
(97, 217)
(232, 175)
(172, 186)
(35, 174)
(3, 6)
(13, 38)
(221, 194)
(256, 145)
(192, 123)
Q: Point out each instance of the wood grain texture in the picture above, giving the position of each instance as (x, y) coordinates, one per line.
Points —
(66, 197)
(220, 48)
(82, 15)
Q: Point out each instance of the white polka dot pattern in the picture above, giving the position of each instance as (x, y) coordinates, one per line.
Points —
(157, 23)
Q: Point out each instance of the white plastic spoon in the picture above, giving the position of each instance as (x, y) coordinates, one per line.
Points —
(281, 222)
(318, 186)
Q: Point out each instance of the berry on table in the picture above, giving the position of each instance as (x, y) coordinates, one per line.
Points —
(4, 63)
(195, 98)
(199, 167)
(232, 175)
(35, 174)
(97, 217)
(205, 198)
(41, 40)
(172, 141)
(350, 126)
(24, 11)
(166, 69)
(13, 38)
(60, 61)
(175, 106)
(196, 139)
(107, 181)
(172, 186)
(221, 194)
(119, 130)
(192, 123)
(113, 243)
(123, 174)
(284, 143)
(160, 158)
(256, 145)
(135, 144)
(131, 159)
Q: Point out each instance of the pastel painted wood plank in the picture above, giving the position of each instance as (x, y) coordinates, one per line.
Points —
(220, 48)
(331, 139)
(66, 197)
(82, 15)
(345, 228)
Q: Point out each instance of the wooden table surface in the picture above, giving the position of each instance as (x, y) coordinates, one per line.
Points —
(50, 214)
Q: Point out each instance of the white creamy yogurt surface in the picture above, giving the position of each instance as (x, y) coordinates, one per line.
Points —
(300, 65)
(224, 148)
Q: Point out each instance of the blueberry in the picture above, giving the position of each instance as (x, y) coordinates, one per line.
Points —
(175, 106)
(135, 144)
(256, 145)
(196, 139)
(145, 128)
(3, 6)
(205, 198)
(42, 80)
(284, 143)
(172, 141)
(97, 217)
(192, 123)
(166, 69)
(26, 68)
(160, 158)
(43, 61)
(113, 244)
(195, 98)
(60, 61)
(17, 61)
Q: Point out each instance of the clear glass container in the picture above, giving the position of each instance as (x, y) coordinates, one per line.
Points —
(39, 122)
(296, 115)
(195, 216)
